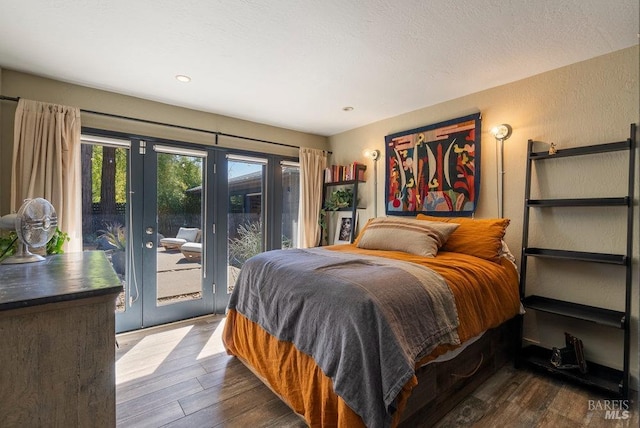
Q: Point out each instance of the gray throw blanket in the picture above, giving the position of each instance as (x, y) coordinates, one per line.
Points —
(364, 320)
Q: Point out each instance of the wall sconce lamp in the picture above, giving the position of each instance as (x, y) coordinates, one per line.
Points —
(500, 133)
(374, 155)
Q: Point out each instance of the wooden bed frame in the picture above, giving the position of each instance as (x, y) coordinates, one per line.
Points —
(455, 379)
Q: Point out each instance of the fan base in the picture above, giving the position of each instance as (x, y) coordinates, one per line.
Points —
(25, 258)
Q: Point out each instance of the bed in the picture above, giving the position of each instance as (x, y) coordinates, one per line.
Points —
(391, 330)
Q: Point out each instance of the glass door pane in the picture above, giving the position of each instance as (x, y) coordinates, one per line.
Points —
(105, 209)
(179, 213)
(245, 233)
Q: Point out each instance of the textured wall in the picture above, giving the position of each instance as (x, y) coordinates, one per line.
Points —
(590, 102)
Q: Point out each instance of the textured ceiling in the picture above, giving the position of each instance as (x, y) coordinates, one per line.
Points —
(297, 63)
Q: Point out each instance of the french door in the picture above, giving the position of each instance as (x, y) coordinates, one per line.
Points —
(135, 194)
(169, 201)
(178, 223)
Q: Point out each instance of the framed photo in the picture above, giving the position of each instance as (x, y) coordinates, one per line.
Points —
(345, 227)
(434, 169)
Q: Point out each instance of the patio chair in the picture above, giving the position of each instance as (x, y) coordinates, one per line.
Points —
(192, 251)
(185, 234)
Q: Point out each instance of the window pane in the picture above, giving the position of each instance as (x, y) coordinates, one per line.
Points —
(245, 229)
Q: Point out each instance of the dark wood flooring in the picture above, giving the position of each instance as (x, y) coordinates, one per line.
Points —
(178, 375)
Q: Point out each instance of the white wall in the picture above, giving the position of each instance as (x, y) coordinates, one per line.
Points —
(590, 102)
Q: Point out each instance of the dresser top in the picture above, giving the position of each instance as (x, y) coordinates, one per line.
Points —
(58, 278)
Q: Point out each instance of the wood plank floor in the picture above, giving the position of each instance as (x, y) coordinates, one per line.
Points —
(178, 375)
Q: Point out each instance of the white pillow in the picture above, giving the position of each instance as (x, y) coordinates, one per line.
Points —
(419, 237)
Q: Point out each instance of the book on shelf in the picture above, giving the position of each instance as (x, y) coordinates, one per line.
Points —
(336, 173)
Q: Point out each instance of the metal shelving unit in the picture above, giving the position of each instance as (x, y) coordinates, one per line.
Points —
(608, 380)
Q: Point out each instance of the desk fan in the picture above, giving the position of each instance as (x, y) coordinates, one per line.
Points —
(35, 224)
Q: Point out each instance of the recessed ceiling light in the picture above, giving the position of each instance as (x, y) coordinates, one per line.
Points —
(183, 78)
(348, 108)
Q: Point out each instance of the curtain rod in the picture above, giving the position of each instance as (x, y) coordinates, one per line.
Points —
(171, 125)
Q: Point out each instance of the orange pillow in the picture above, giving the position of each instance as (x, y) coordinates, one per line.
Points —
(480, 238)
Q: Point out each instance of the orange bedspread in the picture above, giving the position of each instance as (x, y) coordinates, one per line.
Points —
(486, 295)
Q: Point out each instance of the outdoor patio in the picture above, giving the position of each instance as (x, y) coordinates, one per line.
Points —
(179, 276)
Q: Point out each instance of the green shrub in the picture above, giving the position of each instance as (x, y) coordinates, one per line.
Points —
(247, 244)
(115, 234)
(54, 246)
(9, 243)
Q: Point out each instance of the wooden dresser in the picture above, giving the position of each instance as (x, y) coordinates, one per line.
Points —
(57, 342)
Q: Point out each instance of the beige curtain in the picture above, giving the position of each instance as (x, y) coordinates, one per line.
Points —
(312, 165)
(46, 162)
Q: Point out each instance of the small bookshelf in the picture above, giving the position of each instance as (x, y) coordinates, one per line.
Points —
(342, 173)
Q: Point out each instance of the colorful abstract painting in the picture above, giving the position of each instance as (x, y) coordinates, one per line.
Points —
(434, 169)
